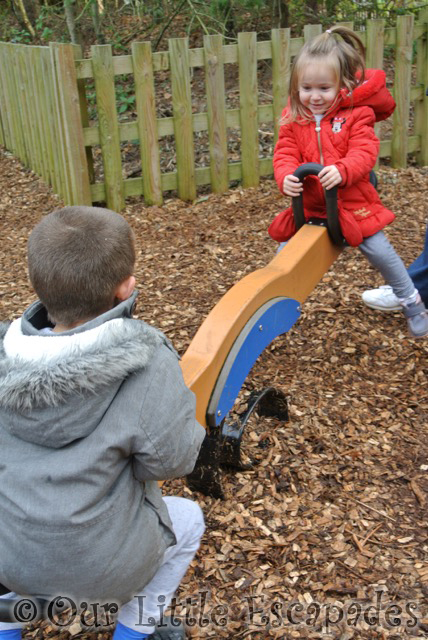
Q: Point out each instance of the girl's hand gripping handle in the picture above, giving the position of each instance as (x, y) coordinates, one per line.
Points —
(333, 226)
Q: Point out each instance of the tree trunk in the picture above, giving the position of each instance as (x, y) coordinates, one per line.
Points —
(70, 19)
(311, 11)
(23, 17)
(96, 21)
(285, 14)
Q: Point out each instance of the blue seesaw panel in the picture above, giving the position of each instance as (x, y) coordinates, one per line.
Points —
(274, 318)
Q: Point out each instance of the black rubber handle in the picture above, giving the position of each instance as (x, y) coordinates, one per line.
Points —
(333, 225)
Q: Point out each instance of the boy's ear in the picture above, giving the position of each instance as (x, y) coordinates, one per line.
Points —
(125, 288)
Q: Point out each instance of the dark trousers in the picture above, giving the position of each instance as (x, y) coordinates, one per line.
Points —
(418, 271)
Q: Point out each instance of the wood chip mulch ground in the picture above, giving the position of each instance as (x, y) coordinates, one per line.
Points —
(326, 537)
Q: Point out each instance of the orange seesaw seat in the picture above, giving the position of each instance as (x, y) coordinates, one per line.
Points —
(292, 273)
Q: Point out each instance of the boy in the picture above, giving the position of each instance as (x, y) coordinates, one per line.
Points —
(93, 412)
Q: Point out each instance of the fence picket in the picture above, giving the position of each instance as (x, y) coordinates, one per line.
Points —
(147, 125)
(66, 189)
(248, 100)
(311, 31)
(3, 98)
(77, 50)
(32, 60)
(18, 126)
(421, 106)
(403, 74)
(78, 174)
(102, 61)
(182, 108)
(44, 111)
(374, 55)
(27, 101)
(280, 73)
(346, 23)
(216, 105)
(3, 124)
(55, 157)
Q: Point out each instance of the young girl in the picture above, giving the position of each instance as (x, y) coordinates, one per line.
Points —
(334, 103)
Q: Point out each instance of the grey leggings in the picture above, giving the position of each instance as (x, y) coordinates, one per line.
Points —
(382, 255)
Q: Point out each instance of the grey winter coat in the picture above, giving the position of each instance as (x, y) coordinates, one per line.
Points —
(90, 420)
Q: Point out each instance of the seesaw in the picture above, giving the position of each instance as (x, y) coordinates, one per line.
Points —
(263, 305)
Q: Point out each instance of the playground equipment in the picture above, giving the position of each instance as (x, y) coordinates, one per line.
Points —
(260, 307)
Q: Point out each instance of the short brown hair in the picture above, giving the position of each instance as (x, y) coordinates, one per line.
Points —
(339, 47)
(77, 256)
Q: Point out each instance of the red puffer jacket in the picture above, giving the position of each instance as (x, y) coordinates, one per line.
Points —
(347, 140)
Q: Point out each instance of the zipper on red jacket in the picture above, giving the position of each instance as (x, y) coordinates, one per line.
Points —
(318, 132)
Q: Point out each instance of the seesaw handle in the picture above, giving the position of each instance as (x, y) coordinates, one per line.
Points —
(333, 225)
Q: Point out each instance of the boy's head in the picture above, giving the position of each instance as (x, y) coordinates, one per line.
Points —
(78, 258)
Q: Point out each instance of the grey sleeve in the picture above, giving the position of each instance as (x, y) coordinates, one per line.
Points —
(169, 437)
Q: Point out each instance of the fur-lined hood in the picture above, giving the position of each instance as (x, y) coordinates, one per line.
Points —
(47, 381)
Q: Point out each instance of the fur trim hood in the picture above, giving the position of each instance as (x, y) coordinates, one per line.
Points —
(43, 394)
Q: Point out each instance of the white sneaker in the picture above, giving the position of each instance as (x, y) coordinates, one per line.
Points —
(383, 299)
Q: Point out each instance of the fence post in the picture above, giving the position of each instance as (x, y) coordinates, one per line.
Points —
(280, 73)
(216, 106)
(248, 99)
(33, 58)
(147, 125)
(2, 135)
(311, 31)
(19, 142)
(26, 106)
(45, 123)
(79, 191)
(102, 64)
(3, 99)
(64, 177)
(78, 54)
(55, 155)
(183, 122)
(403, 73)
(374, 54)
(421, 107)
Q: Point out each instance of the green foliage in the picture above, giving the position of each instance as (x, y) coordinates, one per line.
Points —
(124, 98)
(20, 36)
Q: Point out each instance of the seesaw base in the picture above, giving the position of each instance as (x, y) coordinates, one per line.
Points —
(221, 448)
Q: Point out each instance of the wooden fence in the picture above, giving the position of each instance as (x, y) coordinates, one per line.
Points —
(44, 109)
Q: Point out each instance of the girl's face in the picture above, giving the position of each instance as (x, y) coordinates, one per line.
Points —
(318, 87)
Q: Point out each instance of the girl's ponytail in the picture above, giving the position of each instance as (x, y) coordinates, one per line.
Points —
(351, 54)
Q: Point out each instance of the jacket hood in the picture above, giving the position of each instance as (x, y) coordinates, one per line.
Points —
(371, 93)
(55, 389)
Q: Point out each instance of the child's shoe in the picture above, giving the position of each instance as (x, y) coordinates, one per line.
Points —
(417, 317)
(383, 299)
(169, 632)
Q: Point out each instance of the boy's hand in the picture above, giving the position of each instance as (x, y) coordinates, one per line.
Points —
(330, 177)
(292, 186)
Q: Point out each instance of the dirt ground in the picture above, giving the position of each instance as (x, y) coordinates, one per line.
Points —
(333, 518)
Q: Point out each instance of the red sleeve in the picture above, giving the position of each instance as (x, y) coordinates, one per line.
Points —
(363, 148)
(286, 156)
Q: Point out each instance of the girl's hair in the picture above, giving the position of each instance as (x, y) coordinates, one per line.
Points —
(339, 47)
